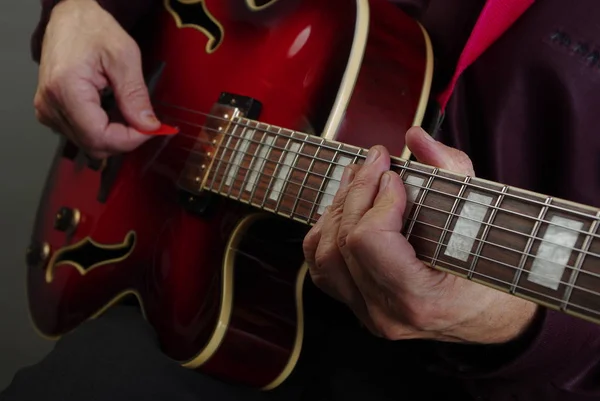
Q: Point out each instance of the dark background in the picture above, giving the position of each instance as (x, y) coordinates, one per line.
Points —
(26, 149)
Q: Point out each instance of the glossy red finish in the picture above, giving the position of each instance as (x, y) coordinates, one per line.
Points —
(291, 57)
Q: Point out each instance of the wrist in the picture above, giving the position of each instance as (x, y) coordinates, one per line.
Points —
(479, 358)
(503, 318)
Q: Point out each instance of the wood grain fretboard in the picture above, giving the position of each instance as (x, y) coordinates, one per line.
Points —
(533, 246)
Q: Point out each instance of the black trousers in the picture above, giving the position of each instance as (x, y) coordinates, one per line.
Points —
(117, 357)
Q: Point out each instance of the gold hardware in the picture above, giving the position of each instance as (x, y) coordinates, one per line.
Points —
(194, 176)
(67, 219)
(37, 254)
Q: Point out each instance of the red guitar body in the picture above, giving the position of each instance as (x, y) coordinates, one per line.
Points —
(221, 283)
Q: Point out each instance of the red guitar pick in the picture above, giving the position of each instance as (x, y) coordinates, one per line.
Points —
(163, 130)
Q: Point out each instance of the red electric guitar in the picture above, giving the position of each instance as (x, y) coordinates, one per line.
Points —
(272, 98)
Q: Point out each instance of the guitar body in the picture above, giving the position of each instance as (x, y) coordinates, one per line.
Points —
(220, 282)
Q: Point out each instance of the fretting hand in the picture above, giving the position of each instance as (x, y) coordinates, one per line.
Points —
(356, 254)
(84, 51)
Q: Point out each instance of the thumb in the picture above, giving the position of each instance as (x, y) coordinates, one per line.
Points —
(429, 151)
(126, 77)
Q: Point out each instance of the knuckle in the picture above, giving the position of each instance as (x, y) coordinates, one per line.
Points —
(132, 89)
(125, 49)
(38, 102)
(319, 275)
(463, 161)
(309, 245)
(323, 259)
(319, 279)
(362, 180)
(355, 239)
(55, 80)
(92, 143)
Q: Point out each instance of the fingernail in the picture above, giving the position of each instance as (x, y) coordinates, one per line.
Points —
(347, 177)
(372, 156)
(385, 180)
(149, 116)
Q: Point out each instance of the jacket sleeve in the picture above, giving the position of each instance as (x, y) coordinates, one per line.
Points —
(126, 12)
(558, 351)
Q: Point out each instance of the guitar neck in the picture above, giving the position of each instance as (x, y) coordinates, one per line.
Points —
(527, 244)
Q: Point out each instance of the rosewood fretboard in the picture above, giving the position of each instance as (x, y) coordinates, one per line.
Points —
(527, 244)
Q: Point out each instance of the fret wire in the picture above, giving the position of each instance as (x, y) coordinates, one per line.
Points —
(449, 179)
(499, 262)
(250, 166)
(497, 280)
(320, 194)
(558, 207)
(286, 182)
(449, 219)
(277, 166)
(420, 203)
(529, 245)
(319, 190)
(471, 185)
(403, 170)
(304, 181)
(422, 256)
(486, 230)
(493, 208)
(579, 264)
(238, 146)
(504, 247)
(262, 163)
(569, 267)
(229, 139)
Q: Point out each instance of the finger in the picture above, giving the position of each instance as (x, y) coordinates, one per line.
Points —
(43, 116)
(329, 271)
(389, 205)
(124, 70)
(80, 104)
(434, 153)
(377, 242)
(362, 191)
(53, 118)
(312, 239)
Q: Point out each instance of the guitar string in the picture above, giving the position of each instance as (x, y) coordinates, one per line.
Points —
(446, 230)
(325, 144)
(494, 280)
(313, 203)
(492, 260)
(248, 169)
(312, 220)
(406, 167)
(568, 266)
(515, 268)
(541, 294)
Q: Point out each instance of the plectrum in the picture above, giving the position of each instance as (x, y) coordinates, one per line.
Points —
(163, 130)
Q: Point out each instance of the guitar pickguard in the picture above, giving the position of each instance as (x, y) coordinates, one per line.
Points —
(194, 14)
(89, 254)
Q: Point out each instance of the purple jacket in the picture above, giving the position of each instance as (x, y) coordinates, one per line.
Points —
(526, 113)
